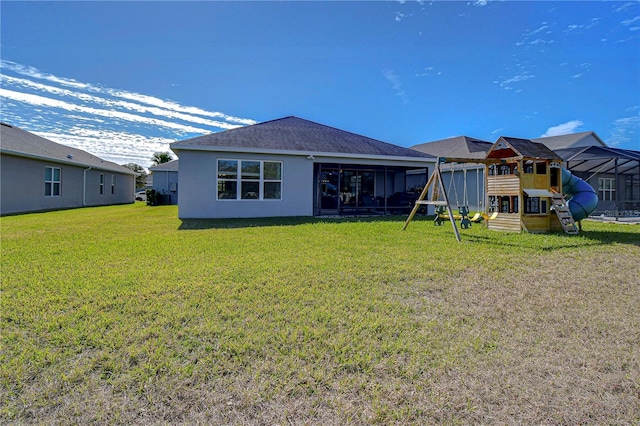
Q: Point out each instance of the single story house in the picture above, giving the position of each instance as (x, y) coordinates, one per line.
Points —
(37, 174)
(295, 167)
(165, 181)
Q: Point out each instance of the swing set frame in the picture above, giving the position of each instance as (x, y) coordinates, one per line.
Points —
(439, 195)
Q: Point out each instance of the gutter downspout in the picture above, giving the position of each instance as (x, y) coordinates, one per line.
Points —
(84, 186)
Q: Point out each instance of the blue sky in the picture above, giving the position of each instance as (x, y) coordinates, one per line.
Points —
(124, 79)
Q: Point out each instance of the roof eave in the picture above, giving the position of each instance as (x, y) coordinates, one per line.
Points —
(298, 153)
(62, 161)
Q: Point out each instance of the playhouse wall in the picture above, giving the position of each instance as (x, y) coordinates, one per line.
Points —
(554, 223)
(539, 223)
(505, 222)
(534, 181)
(503, 185)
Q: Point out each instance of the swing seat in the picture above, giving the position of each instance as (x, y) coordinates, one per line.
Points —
(493, 216)
(477, 217)
(446, 216)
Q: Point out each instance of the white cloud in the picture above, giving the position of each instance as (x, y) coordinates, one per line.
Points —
(427, 71)
(507, 84)
(624, 7)
(539, 29)
(37, 100)
(396, 84)
(110, 103)
(35, 73)
(563, 129)
(119, 147)
(628, 22)
(113, 124)
(625, 130)
(132, 96)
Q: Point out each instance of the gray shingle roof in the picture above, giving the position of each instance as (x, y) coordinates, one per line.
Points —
(296, 134)
(460, 146)
(16, 141)
(569, 141)
(171, 166)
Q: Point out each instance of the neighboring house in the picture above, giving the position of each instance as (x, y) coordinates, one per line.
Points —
(614, 173)
(165, 181)
(573, 140)
(467, 186)
(460, 146)
(295, 167)
(38, 174)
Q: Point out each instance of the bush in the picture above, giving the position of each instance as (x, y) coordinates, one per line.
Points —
(152, 197)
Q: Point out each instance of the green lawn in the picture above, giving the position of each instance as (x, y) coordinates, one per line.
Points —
(125, 314)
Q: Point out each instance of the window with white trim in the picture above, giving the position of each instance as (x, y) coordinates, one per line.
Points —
(607, 189)
(113, 184)
(101, 184)
(249, 180)
(52, 181)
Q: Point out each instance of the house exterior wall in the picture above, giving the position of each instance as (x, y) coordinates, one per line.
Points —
(23, 186)
(198, 187)
(198, 184)
(625, 196)
(166, 182)
(474, 197)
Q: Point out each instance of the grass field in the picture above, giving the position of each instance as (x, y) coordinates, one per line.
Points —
(125, 314)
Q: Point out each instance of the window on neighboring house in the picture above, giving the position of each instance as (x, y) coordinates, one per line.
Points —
(249, 180)
(101, 184)
(52, 181)
(113, 184)
(607, 189)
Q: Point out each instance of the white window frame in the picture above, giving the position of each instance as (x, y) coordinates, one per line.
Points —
(113, 184)
(239, 180)
(101, 186)
(607, 189)
(52, 182)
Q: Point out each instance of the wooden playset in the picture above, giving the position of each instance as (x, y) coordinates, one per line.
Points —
(524, 191)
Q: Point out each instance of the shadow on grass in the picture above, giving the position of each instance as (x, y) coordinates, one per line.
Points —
(196, 224)
(557, 240)
(544, 242)
(612, 237)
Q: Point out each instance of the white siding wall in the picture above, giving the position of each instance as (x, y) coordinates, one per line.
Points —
(198, 190)
(23, 187)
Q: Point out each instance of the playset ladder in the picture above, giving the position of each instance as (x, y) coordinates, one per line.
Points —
(564, 214)
(435, 180)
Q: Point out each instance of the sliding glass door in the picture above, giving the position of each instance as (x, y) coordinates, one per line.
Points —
(357, 189)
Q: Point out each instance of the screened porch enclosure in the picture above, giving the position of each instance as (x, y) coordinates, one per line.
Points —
(359, 189)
